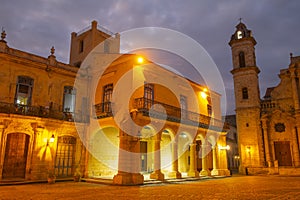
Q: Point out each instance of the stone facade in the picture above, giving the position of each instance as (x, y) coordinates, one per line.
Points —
(268, 127)
(233, 156)
(47, 118)
(34, 128)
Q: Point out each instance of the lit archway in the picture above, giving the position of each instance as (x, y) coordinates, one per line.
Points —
(104, 144)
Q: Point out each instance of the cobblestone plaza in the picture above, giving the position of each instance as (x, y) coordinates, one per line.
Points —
(236, 187)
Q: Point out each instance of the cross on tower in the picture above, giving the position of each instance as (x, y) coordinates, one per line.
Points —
(240, 19)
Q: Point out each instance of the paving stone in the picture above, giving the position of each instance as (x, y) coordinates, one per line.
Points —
(236, 187)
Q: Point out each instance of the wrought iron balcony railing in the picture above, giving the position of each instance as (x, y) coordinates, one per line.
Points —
(103, 110)
(40, 111)
(170, 113)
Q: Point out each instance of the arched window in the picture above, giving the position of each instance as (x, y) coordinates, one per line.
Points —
(245, 93)
(242, 59)
(24, 90)
(239, 35)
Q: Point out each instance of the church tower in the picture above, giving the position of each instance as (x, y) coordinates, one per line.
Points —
(247, 98)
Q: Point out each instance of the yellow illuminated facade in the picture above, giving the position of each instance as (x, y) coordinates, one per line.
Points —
(180, 136)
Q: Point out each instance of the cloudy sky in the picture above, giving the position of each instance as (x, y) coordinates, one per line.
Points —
(36, 25)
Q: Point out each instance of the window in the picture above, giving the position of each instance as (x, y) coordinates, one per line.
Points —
(106, 47)
(107, 96)
(148, 95)
(239, 35)
(245, 93)
(24, 90)
(69, 99)
(184, 106)
(242, 59)
(209, 110)
(81, 46)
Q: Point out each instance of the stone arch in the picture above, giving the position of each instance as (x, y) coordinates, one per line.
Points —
(184, 141)
(167, 139)
(104, 152)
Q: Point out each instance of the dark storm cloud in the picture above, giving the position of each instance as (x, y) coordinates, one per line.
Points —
(35, 26)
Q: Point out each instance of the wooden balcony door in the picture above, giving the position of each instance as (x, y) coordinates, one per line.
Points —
(15, 159)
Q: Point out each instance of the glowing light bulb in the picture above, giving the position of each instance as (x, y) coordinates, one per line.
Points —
(140, 60)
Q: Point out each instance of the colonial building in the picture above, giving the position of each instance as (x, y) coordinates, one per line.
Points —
(268, 127)
(46, 118)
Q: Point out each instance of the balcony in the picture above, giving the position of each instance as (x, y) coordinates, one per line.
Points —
(39, 111)
(172, 113)
(267, 106)
(103, 110)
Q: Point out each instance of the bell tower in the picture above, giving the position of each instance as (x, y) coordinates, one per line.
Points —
(247, 98)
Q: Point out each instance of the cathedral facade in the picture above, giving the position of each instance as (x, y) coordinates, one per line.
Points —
(268, 127)
(45, 118)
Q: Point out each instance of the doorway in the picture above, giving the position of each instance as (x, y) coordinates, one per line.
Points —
(143, 151)
(16, 151)
(283, 153)
(65, 156)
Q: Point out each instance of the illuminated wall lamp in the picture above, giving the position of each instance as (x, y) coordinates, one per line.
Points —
(248, 149)
(203, 93)
(50, 140)
(140, 60)
(227, 147)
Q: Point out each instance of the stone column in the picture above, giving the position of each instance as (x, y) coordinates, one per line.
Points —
(157, 174)
(216, 171)
(220, 165)
(214, 153)
(266, 141)
(174, 173)
(38, 168)
(127, 174)
(298, 135)
(205, 171)
(2, 127)
(295, 148)
(193, 171)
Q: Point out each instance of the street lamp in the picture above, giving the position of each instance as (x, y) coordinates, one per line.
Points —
(140, 60)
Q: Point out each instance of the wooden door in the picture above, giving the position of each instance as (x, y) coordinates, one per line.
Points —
(15, 155)
(143, 151)
(65, 156)
(283, 153)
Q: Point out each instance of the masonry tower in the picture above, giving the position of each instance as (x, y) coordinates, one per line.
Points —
(247, 98)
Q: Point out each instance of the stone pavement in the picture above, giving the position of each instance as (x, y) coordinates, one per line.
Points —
(236, 187)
